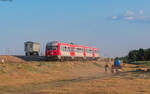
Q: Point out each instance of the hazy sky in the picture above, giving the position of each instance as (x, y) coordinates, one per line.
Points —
(114, 26)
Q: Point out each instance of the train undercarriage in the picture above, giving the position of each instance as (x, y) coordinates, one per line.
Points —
(65, 58)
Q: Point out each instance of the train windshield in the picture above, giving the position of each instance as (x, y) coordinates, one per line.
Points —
(52, 47)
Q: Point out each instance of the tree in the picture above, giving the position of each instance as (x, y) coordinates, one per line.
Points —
(138, 55)
(132, 56)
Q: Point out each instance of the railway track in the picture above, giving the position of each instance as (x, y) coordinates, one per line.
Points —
(32, 58)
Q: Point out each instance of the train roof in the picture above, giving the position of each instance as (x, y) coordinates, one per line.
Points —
(72, 44)
(78, 45)
(31, 42)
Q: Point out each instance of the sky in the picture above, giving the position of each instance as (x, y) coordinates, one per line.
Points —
(113, 26)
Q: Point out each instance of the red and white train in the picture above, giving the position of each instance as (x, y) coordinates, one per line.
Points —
(64, 51)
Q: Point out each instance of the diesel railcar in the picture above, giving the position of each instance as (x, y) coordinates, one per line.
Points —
(65, 51)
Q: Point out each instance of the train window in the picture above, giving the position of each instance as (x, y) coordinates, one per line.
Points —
(91, 51)
(75, 49)
(68, 49)
(72, 49)
(87, 51)
(49, 47)
(61, 48)
(52, 47)
(65, 48)
(79, 50)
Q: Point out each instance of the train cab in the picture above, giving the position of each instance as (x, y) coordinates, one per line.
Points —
(52, 50)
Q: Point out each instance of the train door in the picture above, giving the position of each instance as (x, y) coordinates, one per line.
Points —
(72, 52)
(94, 52)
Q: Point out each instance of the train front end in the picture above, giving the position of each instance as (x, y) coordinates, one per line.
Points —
(52, 51)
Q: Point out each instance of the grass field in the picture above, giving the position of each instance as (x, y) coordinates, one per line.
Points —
(70, 78)
(144, 63)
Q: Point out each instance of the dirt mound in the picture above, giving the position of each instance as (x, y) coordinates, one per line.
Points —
(10, 59)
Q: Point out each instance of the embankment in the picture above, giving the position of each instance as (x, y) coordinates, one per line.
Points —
(19, 75)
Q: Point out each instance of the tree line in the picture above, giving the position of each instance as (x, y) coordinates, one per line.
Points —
(138, 55)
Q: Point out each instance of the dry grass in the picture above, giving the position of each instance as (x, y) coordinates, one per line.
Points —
(70, 78)
(10, 59)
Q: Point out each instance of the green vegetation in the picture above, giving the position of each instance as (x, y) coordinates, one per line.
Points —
(138, 55)
(145, 63)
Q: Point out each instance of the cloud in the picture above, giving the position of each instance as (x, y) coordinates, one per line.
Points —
(129, 13)
(141, 12)
(133, 17)
(114, 17)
